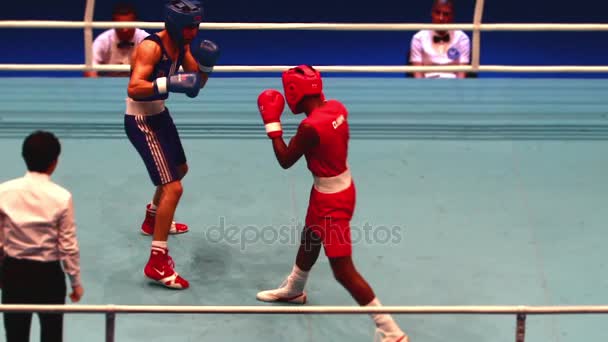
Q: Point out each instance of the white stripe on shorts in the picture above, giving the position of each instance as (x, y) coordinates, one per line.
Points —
(156, 150)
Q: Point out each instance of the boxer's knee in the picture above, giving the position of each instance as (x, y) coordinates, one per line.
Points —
(172, 191)
(182, 170)
(310, 237)
(343, 269)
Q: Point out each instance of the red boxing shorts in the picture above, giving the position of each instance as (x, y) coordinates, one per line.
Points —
(329, 216)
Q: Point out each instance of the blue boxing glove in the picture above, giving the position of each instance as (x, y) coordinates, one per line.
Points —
(187, 83)
(206, 54)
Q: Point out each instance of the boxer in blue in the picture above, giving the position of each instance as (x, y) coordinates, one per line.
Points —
(150, 128)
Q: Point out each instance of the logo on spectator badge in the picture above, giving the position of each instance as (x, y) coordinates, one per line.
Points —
(453, 53)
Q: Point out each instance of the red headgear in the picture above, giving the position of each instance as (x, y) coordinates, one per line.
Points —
(301, 81)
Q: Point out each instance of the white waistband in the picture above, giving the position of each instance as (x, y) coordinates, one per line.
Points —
(330, 185)
(144, 107)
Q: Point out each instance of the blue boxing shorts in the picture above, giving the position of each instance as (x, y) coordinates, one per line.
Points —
(157, 141)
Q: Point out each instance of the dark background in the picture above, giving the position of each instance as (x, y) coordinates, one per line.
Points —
(323, 47)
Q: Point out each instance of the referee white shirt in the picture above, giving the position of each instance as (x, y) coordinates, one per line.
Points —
(424, 50)
(37, 222)
(107, 48)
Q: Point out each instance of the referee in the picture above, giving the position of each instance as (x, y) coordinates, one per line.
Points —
(37, 236)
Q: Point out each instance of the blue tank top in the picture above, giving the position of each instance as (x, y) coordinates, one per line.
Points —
(164, 68)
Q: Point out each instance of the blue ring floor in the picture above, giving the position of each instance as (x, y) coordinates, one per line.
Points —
(470, 192)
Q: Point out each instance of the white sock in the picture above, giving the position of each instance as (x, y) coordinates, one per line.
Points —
(297, 279)
(159, 245)
(383, 321)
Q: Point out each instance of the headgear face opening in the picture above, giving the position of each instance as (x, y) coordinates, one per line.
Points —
(301, 81)
(180, 14)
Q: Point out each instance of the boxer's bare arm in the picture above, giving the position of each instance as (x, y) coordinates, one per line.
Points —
(145, 57)
(305, 139)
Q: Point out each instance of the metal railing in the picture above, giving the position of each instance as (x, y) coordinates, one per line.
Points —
(520, 311)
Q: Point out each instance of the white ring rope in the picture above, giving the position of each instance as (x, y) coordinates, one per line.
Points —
(475, 67)
(328, 68)
(310, 26)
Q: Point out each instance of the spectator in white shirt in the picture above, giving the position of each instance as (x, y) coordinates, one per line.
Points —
(115, 46)
(440, 47)
(37, 237)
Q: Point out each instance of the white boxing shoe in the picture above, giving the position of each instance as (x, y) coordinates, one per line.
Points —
(382, 336)
(282, 295)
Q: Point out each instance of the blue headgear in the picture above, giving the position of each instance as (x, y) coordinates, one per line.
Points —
(180, 14)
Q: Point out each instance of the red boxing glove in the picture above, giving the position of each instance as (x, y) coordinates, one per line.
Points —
(271, 104)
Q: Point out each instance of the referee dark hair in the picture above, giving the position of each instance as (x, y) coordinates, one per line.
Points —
(37, 238)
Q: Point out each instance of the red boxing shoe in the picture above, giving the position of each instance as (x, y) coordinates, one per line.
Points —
(147, 227)
(160, 269)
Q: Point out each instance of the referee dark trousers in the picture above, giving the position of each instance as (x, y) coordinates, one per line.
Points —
(33, 282)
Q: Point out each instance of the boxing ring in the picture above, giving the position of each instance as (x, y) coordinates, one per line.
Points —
(496, 195)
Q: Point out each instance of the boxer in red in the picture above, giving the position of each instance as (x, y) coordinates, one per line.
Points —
(322, 137)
